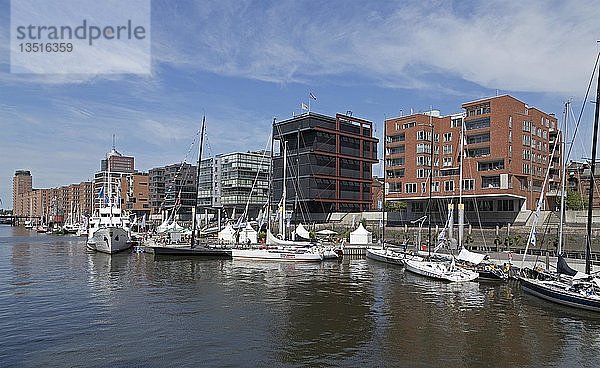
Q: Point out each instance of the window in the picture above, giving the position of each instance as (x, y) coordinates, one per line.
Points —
(449, 186)
(447, 149)
(545, 134)
(424, 187)
(477, 124)
(490, 165)
(468, 184)
(490, 181)
(435, 186)
(526, 140)
(410, 188)
(423, 148)
(423, 135)
(456, 122)
(409, 125)
(447, 162)
(423, 161)
(396, 138)
(526, 126)
(506, 205)
(485, 205)
(447, 137)
(416, 207)
(510, 121)
(423, 173)
(478, 138)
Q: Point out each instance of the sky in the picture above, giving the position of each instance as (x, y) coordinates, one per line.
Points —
(242, 63)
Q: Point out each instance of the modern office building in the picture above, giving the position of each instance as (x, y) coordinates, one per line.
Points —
(232, 181)
(172, 186)
(329, 164)
(508, 148)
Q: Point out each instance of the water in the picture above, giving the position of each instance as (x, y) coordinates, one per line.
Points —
(61, 306)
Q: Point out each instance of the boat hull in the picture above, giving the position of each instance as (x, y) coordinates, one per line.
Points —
(109, 240)
(551, 291)
(439, 271)
(276, 255)
(384, 255)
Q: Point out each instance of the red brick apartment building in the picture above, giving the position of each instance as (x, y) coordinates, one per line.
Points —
(507, 152)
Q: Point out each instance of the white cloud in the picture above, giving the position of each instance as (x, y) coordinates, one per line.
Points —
(526, 46)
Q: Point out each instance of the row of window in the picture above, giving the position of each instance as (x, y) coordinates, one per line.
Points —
(410, 188)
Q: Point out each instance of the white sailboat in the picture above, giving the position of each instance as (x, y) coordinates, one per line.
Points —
(108, 231)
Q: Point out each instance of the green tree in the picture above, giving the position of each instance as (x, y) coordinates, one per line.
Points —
(394, 206)
(574, 201)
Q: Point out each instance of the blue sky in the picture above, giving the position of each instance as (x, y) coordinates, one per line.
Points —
(244, 62)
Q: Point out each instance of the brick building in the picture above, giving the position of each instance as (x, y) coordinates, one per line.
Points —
(507, 151)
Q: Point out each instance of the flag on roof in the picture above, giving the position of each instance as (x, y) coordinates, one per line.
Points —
(311, 95)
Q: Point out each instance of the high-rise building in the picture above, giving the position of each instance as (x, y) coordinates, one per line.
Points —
(508, 147)
(233, 181)
(172, 186)
(22, 184)
(115, 170)
(329, 164)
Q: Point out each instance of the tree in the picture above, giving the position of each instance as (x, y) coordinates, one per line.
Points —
(574, 201)
(394, 206)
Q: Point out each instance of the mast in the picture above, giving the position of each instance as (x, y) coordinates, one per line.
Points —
(588, 248)
(461, 206)
(562, 180)
(430, 184)
(270, 178)
(283, 192)
(192, 245)
(383, 192)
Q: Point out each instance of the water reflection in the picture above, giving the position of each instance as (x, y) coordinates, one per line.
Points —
(60, 303)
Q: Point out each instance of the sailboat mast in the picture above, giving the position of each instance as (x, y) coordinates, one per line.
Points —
(383, 191)
(283, 192)
(461, 206)
(192, 244)
(270, 178)
(430, 184)
(562, 180)
(588, 248)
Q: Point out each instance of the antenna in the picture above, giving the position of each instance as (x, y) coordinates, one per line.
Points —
(113, 146)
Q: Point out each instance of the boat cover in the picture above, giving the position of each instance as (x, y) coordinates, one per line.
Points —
(471, 257)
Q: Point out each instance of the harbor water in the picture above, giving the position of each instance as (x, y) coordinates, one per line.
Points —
(62, 306)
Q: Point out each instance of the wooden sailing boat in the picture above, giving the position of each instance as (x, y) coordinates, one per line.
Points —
(567, 286)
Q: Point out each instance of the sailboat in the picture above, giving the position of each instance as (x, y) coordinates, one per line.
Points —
(281, 249)
(445, 270)
(193, 249)
(569, 287)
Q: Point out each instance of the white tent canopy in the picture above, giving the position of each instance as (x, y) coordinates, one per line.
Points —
(326, 232)
(172, 227)
(227, 234)
(361, 236)
(248, 235)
